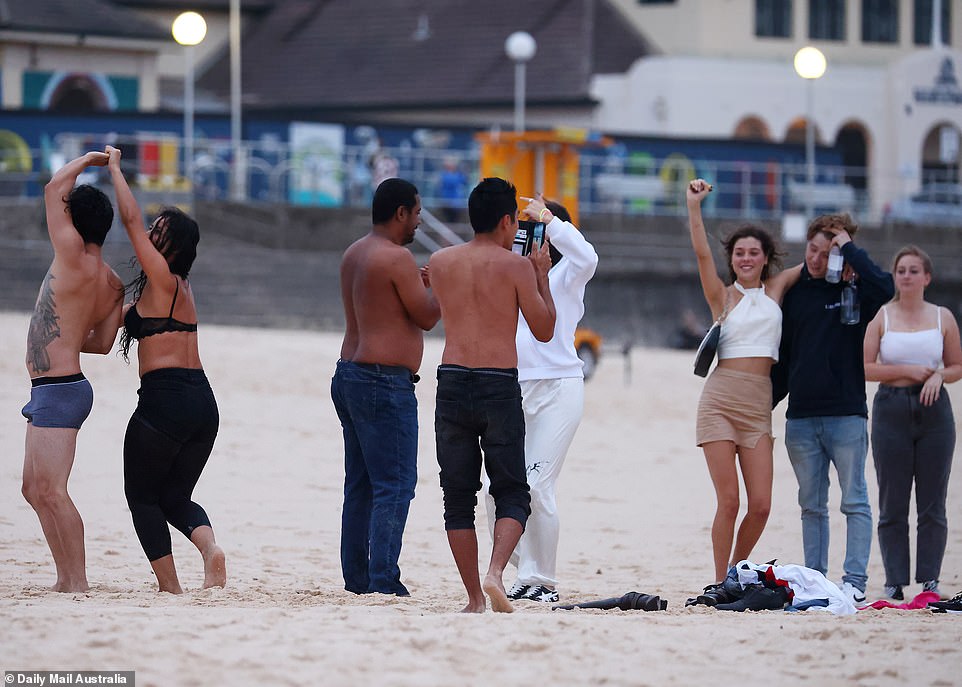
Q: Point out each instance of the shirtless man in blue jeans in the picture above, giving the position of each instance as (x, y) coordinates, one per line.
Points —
(387, 306)
(77, 311)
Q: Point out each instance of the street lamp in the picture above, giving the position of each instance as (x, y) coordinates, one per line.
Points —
(810, 65)
(189, 29)
(520, 47)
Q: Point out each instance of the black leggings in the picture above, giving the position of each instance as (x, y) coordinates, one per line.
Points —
(169, 439)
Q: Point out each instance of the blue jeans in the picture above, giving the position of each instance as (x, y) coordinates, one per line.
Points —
(813, 443)
(378, 413)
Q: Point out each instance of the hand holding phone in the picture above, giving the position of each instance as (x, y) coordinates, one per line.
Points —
(530, 236)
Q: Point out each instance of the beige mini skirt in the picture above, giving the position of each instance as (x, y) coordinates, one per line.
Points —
(734, 406)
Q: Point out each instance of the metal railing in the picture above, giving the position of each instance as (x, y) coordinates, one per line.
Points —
(609, 182)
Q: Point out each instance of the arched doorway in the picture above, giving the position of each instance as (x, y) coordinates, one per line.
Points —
(796, 132)
(752, 128)
(941, 154)
(78, 93)
(852, 144)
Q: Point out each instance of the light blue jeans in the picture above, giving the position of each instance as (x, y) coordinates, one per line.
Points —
(813, 443)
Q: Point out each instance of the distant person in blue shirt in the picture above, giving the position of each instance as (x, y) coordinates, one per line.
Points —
(452, 187)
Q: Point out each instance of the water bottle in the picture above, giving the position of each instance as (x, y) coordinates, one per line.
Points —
(850, 308)
(835, 265)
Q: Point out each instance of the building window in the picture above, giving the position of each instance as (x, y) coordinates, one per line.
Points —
(826, 19)
(880, 21)
(923, 22)
(773, 18)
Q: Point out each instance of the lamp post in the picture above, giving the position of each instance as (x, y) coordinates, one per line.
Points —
(238, 168)
(189, 29)
(520, 47)
(810, 65)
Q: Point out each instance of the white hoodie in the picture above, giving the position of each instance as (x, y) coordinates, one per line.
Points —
(557, 358)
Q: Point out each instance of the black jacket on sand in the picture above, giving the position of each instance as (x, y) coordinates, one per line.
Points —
(820, 362)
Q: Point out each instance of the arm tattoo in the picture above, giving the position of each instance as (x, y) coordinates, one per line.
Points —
(44, 327)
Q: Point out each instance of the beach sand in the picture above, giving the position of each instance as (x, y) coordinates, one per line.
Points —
(636, 505)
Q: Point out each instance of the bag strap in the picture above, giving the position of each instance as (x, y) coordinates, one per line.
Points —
(727, 309)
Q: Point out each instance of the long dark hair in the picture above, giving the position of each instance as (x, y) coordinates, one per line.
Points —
(177, 242)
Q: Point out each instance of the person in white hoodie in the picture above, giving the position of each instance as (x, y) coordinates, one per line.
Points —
(552, 390)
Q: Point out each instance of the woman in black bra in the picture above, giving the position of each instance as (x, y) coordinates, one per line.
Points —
(171, 433)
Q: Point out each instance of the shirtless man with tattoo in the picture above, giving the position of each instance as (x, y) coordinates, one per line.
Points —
(78, 311)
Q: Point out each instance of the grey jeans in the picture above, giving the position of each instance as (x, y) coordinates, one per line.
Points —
(912, 442)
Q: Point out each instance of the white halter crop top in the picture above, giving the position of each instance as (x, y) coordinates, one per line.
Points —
(911, 348)
(753, 328)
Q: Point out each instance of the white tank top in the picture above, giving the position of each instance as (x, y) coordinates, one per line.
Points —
(911, 348)
(753, 328)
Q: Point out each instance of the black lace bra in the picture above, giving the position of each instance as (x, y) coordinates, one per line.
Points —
(138, 327)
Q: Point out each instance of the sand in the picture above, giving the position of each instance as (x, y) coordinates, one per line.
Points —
(636, 505)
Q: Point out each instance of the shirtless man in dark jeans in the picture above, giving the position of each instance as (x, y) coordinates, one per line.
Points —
(77, 311)
(481, 285)
(387, 306)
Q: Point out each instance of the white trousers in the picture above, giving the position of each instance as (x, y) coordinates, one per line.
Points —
(552, 412)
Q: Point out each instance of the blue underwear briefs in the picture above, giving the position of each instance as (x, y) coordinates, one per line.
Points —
(62, 402)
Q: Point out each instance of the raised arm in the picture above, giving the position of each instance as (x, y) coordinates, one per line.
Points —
(711, 284)
(567, 239)
(875, 284)
(66, 241)
(151, 260)
(534, 295)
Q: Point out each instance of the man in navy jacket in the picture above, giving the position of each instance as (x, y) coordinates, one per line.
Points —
(820, 369)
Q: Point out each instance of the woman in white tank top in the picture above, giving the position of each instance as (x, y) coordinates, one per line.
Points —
(735, 410)
(912, 348)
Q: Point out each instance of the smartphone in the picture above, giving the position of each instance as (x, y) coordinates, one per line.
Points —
(530, 235)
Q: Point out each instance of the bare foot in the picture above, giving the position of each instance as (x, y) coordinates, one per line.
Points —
(475, 607)
(215, 567)
(495, 590)
(71, 587)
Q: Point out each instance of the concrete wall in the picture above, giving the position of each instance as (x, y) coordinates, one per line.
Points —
(278, 267)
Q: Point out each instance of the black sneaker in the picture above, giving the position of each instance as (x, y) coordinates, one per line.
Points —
(542, 593)
(715, 594)
(894, 592)
(758, 598)
(518, 591)
(953, 605)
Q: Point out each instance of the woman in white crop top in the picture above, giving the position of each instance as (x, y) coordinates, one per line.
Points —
(912, 348)
(735, 409)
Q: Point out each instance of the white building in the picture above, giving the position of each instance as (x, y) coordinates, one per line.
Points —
(890, 98)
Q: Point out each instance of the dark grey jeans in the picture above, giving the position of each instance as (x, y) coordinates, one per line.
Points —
(912, 442)
(479, 410)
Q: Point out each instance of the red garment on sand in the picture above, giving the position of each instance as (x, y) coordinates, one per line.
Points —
(920, 601)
